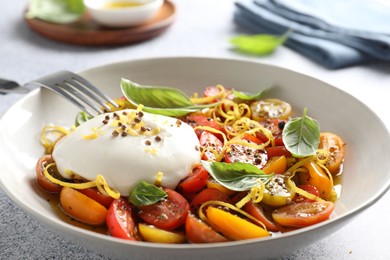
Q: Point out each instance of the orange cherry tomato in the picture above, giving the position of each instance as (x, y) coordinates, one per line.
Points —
(199, 232)
(318, 178)
(276, 164)
(336, 148)
(41, 179)
(81, 207)
(303, 214)
(232, 226)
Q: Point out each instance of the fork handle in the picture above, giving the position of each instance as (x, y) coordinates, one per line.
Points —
(10, 86)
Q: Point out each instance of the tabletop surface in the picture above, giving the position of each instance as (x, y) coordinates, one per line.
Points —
(202, 28)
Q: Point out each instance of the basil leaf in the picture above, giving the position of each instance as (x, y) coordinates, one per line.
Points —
(160, 100)
(56, 11)
(145, 194)
(301, 135)
(156, 97)
(82, 117)
(258, 44)
(249, 96)
(236, 176)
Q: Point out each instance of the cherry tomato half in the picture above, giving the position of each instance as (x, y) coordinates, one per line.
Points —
(120, 221)
(309, 188)
(81, 207)
(211, 143)
(196, 181)
(199, 232)
(95, 194)
(195, 120)
(257, 212)
(44, 182)
(270, 108)
(245, 154)
(336, 148)
(303, 214)
(168, 214)
(207, 195)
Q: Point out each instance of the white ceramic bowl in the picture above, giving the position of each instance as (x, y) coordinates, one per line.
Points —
(334, 109)
(143, 11)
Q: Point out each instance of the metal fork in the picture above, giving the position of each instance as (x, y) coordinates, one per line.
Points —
(77, 90)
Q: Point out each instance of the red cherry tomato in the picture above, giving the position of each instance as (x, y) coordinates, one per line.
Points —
(257, 212)
(208, 141)
(168, 214)
(303, 214)
(44, 182)
(309, 188)
(195, 120)
(199, 232)
(277, 151)
(276, 127)
(207, 195)
(120, 221)
(196, 181)
(95, 194)
(245, 154)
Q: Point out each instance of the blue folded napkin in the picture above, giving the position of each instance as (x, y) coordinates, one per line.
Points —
(323, 30)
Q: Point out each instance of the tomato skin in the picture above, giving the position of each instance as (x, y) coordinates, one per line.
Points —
(95, 194)
(258, 213)
(309, 188)
(207, 139)
(196, 181)
(303, 214)
(199, 232)
(277, 151)
(41, 179)
(336, 147)
(81, 207)
(168, 214)
(207, 195)
(120, 220)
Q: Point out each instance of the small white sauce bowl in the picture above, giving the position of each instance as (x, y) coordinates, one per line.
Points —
(125, 12)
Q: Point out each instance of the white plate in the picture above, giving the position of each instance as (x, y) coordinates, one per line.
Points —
(367, 167)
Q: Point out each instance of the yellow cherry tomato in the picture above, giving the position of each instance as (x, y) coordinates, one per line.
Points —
(270, 108)
(153, 234)
(277, 192)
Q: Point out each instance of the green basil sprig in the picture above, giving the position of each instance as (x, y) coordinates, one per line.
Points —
(249, 96)
(259, 44)
(56, 11)
(301, 135)
(145, 194)
(236, 176)
(160, 100)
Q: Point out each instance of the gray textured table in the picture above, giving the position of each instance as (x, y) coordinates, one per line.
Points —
(202, 28)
